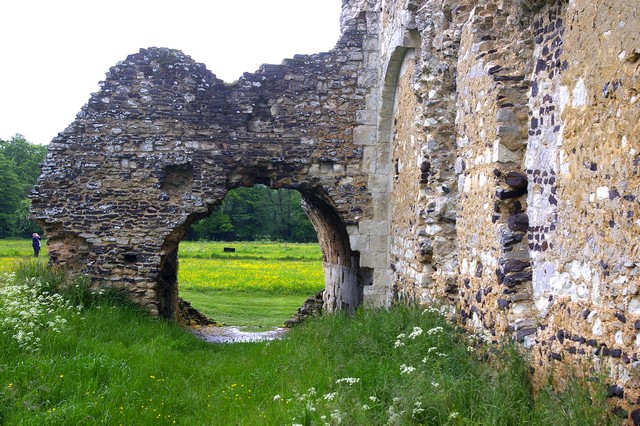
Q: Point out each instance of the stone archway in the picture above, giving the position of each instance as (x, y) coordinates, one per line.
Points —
(163, 141)
(344, 279)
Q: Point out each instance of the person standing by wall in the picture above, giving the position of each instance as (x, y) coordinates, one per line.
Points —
(35, 243)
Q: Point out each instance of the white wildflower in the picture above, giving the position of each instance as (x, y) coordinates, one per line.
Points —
(417, 409)
(277, 397)
(453, 415)
(329, 396)
(348, 380)
(27, 308)
(435, 330)
(417, 331)
(406, 369)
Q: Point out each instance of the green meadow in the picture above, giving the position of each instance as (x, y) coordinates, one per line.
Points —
(14, 251)
(261, 284)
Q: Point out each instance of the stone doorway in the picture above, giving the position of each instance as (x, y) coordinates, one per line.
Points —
(253, 262)
(344, 280)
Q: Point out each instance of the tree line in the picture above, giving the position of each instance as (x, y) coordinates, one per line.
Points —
(246, 214)
(256, 213)
(19, 169)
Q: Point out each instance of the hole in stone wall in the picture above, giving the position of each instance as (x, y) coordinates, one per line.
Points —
(253, 261)
(177, 178)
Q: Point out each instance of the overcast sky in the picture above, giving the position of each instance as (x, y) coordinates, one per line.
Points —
(53, 53)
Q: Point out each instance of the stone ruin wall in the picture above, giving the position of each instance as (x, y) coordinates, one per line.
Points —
(584, 174)
(482, 156)
(525, 139)
(163, 141)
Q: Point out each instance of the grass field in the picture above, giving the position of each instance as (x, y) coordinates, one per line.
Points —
(250, 250)
(14, 251)
(261, 284)
(75, 358)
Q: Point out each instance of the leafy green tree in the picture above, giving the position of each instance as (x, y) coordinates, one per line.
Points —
(246, 211)
(10, 196)
(26, 158)
(218, 226)
(256, 213)
(25, 226)
(19, 170)
(303, 230)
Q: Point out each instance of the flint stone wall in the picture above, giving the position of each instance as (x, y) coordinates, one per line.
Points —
(525, 138)
(482, 156)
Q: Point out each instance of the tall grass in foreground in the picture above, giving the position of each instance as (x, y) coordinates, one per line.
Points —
(111, 364)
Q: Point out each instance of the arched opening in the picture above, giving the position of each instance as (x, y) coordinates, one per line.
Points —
(339, 278)
(253, 261)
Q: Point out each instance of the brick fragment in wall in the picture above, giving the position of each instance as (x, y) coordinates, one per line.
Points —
(516, 180)
(519, 222)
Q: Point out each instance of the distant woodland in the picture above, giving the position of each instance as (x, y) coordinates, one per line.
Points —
(256, 213)
(19, 169)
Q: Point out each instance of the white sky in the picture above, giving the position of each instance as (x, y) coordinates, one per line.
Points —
(53, 53)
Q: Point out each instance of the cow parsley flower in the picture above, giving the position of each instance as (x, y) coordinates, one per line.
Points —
(406, 369)
(330, 396)
(417, 409)
(348, 380)
(435, 330)
(417, 331)
(26, 309)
